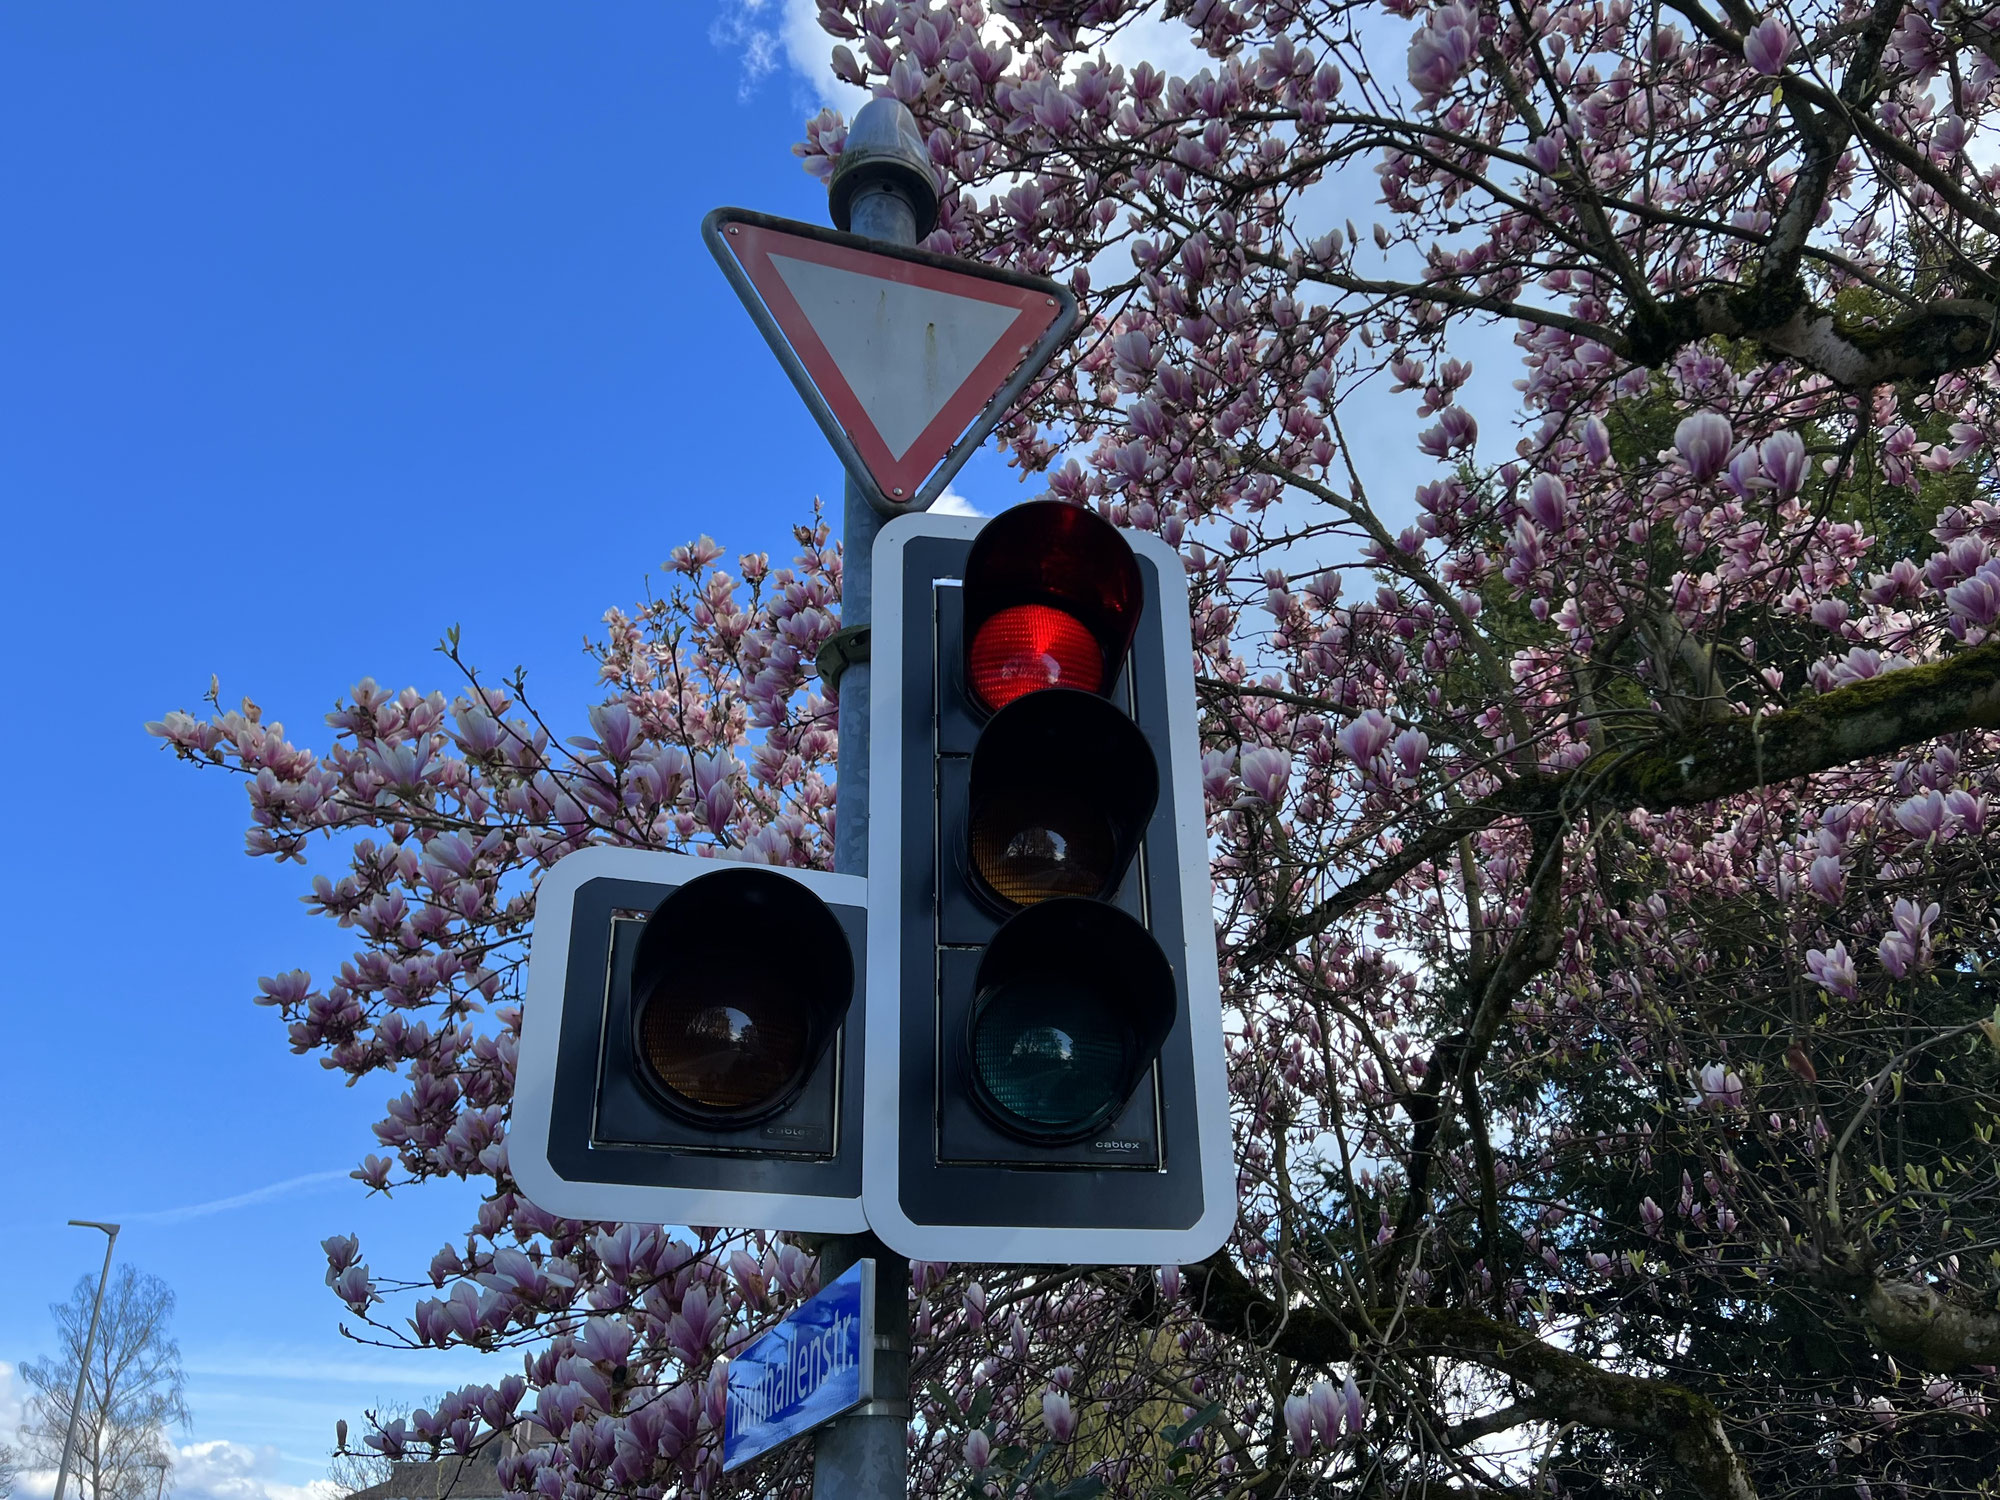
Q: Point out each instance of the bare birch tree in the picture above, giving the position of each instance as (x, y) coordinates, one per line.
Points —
(134, 1392)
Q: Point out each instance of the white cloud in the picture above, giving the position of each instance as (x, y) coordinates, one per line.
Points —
(952, 503)
(767, 33)
(810, 50)
(209, 1469)
(13, 1401)
(745, 26)
(213, 1470)
(222, 1470)
(1167, 44)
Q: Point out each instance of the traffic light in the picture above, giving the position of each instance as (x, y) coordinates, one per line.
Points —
(690, 1044)
(1042, 945)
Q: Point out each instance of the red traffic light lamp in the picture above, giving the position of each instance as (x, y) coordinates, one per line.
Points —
(1052, 597)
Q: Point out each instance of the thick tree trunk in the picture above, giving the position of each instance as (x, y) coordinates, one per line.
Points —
(1564, 1387)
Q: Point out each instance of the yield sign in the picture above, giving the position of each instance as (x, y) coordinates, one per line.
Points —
(908, 360)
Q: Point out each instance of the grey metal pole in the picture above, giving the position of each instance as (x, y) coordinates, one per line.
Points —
(89, 1343)
(883, 189)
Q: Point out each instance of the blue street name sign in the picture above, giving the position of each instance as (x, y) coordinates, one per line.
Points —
(812, 1367)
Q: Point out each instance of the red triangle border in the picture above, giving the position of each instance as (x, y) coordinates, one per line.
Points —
(899, 479)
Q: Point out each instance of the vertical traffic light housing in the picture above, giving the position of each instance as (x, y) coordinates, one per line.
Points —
(1042, 948)
(690, 1044)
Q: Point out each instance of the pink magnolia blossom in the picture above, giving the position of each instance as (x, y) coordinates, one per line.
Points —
(1548, 502)
(1703, 442)
(1218, 767)
(1353, 1406)
(1597, 440)
(1454, 431)
(1058, 1416)
(1767, 46)
(1720, 1087)
(1922, 816)
(1833, 970)
(1783, 459)
(1265, 772)
(1364, 739)
(1908, 944)
(1299, 1423)
(1976, 599)
(1443, 49)
(1323, 1405)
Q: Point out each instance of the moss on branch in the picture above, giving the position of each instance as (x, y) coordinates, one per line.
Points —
(1876, 716)
(1921, 1328)
(1921, 344)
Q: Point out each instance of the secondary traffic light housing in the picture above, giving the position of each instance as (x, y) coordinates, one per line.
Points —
(690, 1044)
(1042, 956)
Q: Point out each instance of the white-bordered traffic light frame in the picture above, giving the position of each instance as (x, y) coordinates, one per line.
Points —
(612, 1123)
(947, 1175)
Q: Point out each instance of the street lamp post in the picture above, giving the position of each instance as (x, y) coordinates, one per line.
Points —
(89, 1341)
(160, 1489)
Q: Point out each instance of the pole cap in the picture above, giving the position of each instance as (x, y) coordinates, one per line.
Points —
(884, 149)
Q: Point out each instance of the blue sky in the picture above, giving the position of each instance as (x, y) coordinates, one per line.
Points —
(323, 329)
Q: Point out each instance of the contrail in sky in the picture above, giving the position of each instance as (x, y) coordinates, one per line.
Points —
(240, 1200)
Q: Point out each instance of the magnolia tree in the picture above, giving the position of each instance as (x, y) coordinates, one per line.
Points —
(1604, 882)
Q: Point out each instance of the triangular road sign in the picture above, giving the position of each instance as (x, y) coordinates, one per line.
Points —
(906, 359)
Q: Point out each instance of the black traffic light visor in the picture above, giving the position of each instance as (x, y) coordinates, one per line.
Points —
(1061, 786)
(1073, 1001)
(739, 982)
(1054, 555)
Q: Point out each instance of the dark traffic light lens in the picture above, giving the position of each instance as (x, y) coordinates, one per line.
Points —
(1061, 785)
(1050, 1056)
(1029, 847)
(722, 1037)
(1071, 1004)
(1029, 647)
(732, 1055)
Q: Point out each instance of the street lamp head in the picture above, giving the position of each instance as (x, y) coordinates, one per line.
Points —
(884, 151)
(110, 1229)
